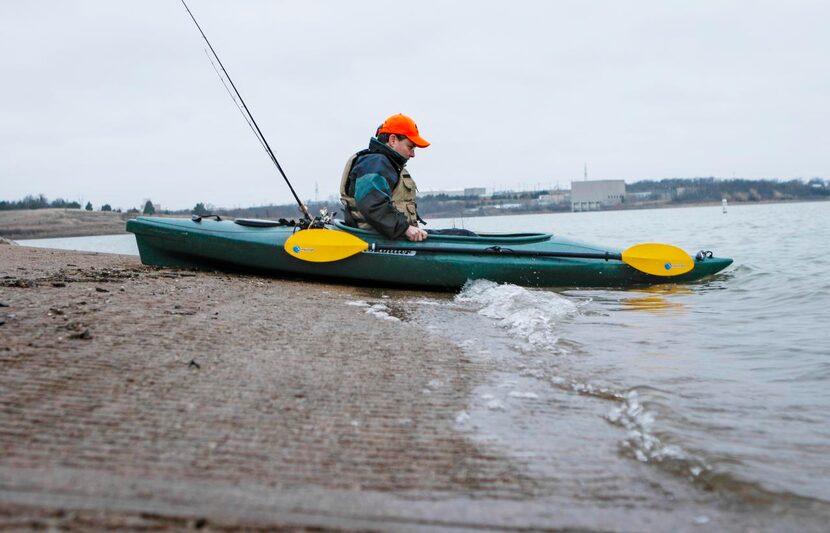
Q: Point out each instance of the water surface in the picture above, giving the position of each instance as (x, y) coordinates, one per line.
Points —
(725, 381)
(122, 243)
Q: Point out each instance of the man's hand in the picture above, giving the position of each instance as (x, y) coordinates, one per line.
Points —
(415, 234)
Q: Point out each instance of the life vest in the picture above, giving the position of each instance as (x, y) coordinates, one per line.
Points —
(404, 195)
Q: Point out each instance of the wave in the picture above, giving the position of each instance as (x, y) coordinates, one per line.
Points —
(643, 443)
(528, 315)
(646, 445)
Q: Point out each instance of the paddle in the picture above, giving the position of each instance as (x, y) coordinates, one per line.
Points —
(325, 245)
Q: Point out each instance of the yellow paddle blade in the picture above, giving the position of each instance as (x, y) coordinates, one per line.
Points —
(323, 245)
(658, 259)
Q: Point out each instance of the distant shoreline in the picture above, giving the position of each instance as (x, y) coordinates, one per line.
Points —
(630, 208)
(25, 224)
(50, 223)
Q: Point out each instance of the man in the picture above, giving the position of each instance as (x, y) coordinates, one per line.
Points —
(376, 190)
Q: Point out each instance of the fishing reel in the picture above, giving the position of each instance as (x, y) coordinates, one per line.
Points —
(318, 222)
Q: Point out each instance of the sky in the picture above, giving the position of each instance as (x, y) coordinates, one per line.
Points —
(116, 101)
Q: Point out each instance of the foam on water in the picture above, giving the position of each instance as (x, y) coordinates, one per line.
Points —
(528, 315)
(381, 311)
(377, 310)
(523, 395)
(641, 440)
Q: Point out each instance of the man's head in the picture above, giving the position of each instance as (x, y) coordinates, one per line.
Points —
(401, 134)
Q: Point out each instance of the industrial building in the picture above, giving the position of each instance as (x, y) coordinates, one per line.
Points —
(555, 197)
(594, 195)
(469, 192)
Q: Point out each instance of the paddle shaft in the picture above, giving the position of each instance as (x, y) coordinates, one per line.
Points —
(494, 250)
(324, 246)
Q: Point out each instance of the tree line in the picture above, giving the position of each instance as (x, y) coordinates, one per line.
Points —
(686, 190)
(42, 202)
(37, 202)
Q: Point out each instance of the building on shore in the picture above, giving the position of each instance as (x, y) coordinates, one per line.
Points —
(593, 195)
(554, 197)
(469, 192)
(475, 191)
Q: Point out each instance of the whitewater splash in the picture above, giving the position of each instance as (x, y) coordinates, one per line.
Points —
(528, 315)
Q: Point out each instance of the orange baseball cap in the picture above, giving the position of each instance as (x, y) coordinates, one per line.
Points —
(403, 125)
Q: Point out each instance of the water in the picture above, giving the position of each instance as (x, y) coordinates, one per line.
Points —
(724, 381)
(718, 387)
(123, 244)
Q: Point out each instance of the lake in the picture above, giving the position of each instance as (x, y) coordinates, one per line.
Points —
(716, 389)
(123, 243)
(726, 381)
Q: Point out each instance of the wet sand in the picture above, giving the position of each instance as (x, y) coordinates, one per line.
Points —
(134, 397)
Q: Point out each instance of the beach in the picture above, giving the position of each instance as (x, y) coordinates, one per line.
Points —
(616, 326)
(135, 389)
(136, 397)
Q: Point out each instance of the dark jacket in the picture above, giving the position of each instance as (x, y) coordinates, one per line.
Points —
(374, 175)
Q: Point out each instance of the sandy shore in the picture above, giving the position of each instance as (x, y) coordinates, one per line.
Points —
(135, 398)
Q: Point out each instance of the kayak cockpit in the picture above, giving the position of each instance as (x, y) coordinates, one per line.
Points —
(481, 238)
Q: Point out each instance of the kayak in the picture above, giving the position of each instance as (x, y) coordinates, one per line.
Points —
(441, 262)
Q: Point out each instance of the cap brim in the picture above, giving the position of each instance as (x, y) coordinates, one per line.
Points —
(420, 142)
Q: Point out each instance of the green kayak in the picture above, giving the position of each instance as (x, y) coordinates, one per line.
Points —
(442, 261)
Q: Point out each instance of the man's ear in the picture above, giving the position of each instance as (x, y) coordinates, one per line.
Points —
(391, 137)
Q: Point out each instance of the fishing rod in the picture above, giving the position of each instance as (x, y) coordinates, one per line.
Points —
(247, 112)
(233, 99)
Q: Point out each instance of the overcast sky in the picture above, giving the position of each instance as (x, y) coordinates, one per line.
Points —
(116, 101)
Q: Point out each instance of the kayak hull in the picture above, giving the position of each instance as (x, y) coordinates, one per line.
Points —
(227, 245)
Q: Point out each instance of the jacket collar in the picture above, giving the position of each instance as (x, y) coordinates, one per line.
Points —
(375, 146)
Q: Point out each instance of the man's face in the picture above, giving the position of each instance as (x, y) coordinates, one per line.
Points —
(404, 147)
